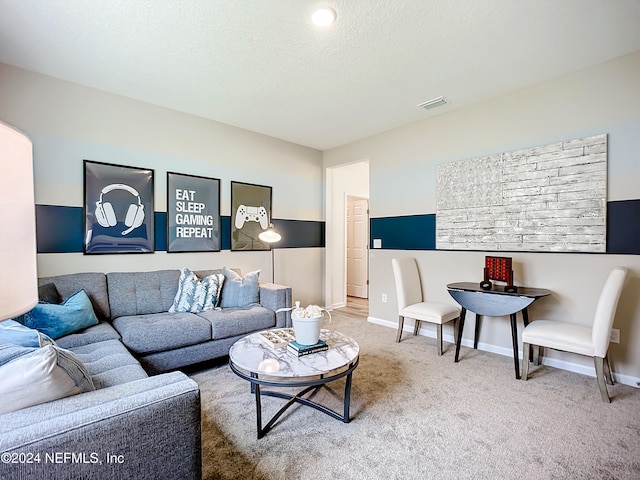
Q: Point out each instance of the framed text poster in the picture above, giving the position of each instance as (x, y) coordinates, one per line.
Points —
(193, 213)
(118, 209)
(250, 215)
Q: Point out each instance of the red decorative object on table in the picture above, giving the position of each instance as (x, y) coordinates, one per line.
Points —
(500, 269)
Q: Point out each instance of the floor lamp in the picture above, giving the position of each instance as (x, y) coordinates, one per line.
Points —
(271, 236)
(18, 272)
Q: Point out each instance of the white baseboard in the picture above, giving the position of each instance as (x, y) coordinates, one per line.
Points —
(336, 305)
(507, 352)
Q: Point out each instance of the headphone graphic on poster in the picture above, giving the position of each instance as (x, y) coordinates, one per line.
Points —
(106, 216)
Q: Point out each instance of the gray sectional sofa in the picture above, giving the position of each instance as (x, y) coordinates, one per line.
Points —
(143, 419)
(137, 305)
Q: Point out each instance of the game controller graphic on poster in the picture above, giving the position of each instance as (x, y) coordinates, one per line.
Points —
(251, 214)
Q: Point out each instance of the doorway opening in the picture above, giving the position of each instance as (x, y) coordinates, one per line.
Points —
(342, 182)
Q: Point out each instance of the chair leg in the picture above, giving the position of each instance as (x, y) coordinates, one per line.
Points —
(416, 327)
(607, 370)
(599, 363)
(526, 349)
(400, 326)
(439, 338)
(537, 355)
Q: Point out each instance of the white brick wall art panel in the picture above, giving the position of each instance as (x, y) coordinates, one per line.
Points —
(550, 198)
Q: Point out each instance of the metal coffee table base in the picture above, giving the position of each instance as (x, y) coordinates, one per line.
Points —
(312, 385)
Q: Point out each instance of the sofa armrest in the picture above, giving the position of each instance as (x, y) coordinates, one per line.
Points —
(148, 428)
(274, 297)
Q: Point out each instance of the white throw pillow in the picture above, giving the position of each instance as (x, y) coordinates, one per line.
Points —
(195, 295)
(31, 376)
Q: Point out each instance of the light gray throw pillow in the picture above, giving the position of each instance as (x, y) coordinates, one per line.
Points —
(239, 291)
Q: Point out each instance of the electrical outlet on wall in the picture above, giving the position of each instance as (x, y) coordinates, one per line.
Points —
(384, 298)
(614, 337)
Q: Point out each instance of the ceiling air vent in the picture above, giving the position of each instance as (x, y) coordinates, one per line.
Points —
(433, 103)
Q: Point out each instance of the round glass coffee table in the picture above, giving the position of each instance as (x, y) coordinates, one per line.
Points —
(252, 359)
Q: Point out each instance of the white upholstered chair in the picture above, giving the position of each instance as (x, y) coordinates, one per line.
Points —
(411, 303)
(590, 341)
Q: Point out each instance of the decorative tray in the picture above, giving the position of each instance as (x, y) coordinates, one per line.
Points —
(278, 338)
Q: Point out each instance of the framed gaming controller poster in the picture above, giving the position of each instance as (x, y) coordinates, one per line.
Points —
(250, 215)
(193, 213)
(118, 209)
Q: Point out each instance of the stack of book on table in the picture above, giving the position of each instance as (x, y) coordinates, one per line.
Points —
(298, 350)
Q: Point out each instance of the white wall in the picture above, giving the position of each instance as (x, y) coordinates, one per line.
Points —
(602, 99)
(68, 123)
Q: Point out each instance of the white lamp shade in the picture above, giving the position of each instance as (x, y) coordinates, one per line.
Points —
(270, 235)
(18, 271)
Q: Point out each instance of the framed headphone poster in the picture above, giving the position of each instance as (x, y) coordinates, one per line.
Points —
(193, 213)
(118, 209)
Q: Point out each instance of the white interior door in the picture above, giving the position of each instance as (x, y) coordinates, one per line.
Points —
(357, 247)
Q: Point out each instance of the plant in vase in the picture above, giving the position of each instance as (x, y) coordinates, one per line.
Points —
(307, 322)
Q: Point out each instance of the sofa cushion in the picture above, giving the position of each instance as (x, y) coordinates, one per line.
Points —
(141, 293)
(48, 293)
(72, 315)
(195, 295)
(17, 334)
(109, 363)
(162, 331)
(97, 333)
(238, 321)
(239, 291)
(95, 284)
(31, 376)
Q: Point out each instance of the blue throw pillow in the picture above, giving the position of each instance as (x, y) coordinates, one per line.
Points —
(17, 334)
(240, 291)
(75, 313)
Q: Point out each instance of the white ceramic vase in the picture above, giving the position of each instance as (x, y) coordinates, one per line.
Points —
(307, 330)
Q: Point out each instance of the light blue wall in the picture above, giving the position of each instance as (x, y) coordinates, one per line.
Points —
(69, 123)
(403, 163)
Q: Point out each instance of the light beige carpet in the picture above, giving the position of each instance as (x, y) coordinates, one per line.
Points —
(419, 416)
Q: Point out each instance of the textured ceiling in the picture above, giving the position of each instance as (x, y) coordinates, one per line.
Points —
(260, 65)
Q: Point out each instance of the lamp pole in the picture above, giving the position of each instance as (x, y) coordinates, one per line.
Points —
(271, 236)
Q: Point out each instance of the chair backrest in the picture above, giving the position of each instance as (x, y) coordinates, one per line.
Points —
(408, 286)
(606, 310)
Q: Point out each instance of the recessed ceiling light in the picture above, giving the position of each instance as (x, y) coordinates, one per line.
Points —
(323, 17)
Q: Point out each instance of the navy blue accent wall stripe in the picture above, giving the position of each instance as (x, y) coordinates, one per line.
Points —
(225, 232)
(299, 233)
(623, 227)
(160, 225)
(418, 232)
(60, 229)
(411, 232)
